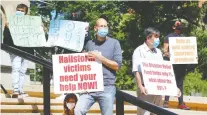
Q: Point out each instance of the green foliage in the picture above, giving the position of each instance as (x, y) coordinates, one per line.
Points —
(194, 84)
(128, 27)
(124, 79)
(38, 72)
(202, 49)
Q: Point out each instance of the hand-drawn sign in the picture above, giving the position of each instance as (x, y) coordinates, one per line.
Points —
(27, 31)
(67, 34)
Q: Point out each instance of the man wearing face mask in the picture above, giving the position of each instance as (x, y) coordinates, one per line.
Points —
(148, 50)
(179, 69)
(19, 65)
(111, 58)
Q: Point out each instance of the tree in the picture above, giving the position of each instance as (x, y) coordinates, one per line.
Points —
(127, 21)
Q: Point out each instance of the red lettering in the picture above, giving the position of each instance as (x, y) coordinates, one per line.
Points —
(161, 87)
(65, 68)
(166, 66)
(84, 77)
(61, 78)
(169, 81)
(87, 85)
(77, 68)
(69, 87)
(88, 67)
(67, 78)
(161, 80)
(72, 68)
(152, 80)
(144, 64)
(61, 59)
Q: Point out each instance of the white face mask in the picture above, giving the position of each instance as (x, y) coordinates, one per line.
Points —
(70, 105)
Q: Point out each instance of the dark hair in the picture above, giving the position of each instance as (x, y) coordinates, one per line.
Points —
(2, 9)
(68, 96)
(23, 6)
(149, 31)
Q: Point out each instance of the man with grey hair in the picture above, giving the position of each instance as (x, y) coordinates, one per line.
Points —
(148, 50)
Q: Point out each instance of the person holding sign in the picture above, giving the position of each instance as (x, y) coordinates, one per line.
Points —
(148, 50)
(111, 58)
(179, 69)
(19, 65)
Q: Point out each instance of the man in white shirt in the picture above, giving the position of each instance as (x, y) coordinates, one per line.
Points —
(147, 50)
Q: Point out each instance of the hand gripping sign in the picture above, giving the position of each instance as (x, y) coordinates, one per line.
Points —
(76, 73)
(158, 77)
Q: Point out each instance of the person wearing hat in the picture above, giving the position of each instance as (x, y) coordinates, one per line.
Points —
(179, 69)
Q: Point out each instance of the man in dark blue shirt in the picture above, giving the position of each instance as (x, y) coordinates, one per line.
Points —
(179, 69)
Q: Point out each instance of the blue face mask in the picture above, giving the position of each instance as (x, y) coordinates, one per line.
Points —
(156, 42)
(102, 32)
(19, 13)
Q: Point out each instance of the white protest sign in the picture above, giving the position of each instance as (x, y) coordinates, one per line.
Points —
(158, 77)
(183, 50)
(67, 34)
(75, 73)
(27, 31)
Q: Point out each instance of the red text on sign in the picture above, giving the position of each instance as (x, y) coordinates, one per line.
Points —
(66, 78)
(68, 87)
(85, 77)
(74, 59)
(77, 68)
(87, 85)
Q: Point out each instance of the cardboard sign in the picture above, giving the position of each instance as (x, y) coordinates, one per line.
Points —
(158, 77)
(27, 31)
(183, 50)
(67, 34)
(76, 73)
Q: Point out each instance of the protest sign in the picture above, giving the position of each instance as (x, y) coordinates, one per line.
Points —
(183, 50)
(67, 34)
(27, 31)
(158, 77)
(76, 73)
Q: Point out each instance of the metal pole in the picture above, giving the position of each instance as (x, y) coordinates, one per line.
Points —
(119, 106)
(46, 90)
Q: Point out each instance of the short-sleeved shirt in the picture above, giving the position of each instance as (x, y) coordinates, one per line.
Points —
(180, 66)
(144, 52)
(111, 50)
(166, 40)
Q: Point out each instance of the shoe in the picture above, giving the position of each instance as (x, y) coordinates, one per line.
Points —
(183, 106)
(165, 105)
(23, 94)
(15, 94)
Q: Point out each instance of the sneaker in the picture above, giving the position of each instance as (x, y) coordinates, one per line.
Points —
(183, 106)
(23, 94)
(165, 105)
(15, 94)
